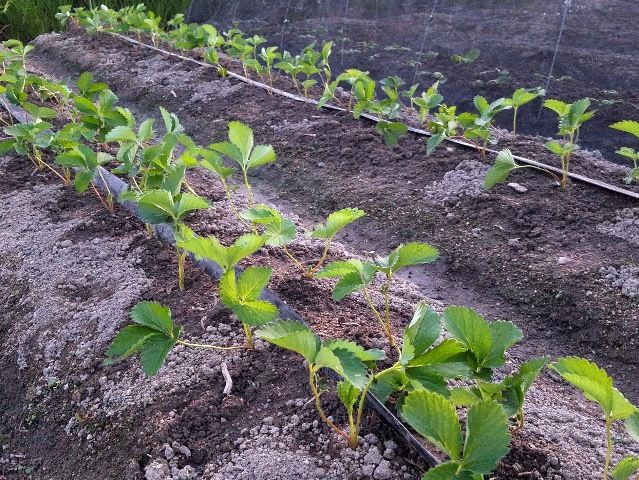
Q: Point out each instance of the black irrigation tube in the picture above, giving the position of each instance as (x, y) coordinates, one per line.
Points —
(109, 183)
(373, 118)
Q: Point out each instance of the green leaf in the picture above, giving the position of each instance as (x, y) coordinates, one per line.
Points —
(347, 285)
(435, 418)
(153, 315)
(121, 134)
(154, 353)
(252, 281)
(626, 468)
(292, 336)
(145, 132)
(156, 206)
(434, 141)
(130, 340)
(84, 81)
(344, 362)
(414, 253)
(347, 394)
(447, 351)
(387, 383)
(337, 221)
(423, 330)
(337, 269)
(632, 426)
(521, 96)
(226, 257)
(188, 203)
(82, 180)
(261, 155)
(487, 437)
(628, 126)
(443, 471)
(470, 328)
(391, 131)
(504, 335)
(427, 378)
(516, 385)
(279, 230)
(213, 162)
(596, 386)
(504, 164)
(241, 136)
(370, 355)
(244, 247)
(255, 312)
(555, 147)
(242, 296)
(557, 106)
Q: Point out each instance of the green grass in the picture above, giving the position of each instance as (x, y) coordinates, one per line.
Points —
(26, 19)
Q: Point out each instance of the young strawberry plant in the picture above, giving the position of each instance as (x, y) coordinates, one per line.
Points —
(426, 101)
(362, 90)
(164, 206)
(631, 127)
(87, 165)
(468, 57)
(153, 334)
(598, 387)
(349, 360)
(521, 97)
(241, 295)
(241, 149)
(270, 56)
(504, 165)
(354, 275)
(571, 117)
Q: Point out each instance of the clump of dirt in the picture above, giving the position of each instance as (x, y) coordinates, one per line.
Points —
(624, 278)
(625, 225)
(467, 179)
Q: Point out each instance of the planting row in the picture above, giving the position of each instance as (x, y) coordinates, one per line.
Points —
(395, 109)
(439, 366)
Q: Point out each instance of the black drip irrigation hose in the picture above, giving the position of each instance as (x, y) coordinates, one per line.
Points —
(373, 118)
(109, 183)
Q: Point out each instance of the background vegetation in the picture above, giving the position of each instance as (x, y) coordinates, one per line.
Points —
(26, 19)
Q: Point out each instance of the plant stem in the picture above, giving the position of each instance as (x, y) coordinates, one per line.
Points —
(294, 260)
(515, 121)
(97, 194)
(250, 344)
(608, 447)
(188, 187)
(181, 259)
(388, 334)
(318, 265)
(249, 191)
(109, 194)
(318, 404)
(360, 408)
(232, 206)
(211, 347)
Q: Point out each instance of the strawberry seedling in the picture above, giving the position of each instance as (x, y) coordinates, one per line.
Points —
(355, 275)
(631, 127)
(598, 387)
(241, 295)
(571, 118)
(153, 334)
(241, 149)
(164, 206)
(521, 97)
(349, 360)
